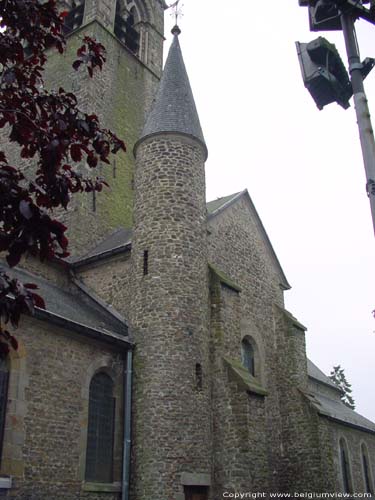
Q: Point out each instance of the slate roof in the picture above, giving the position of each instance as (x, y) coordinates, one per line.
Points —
(116, 242)
(315, 373)
(74, 307)
(332, 407)
(336, 410)
(174, 107)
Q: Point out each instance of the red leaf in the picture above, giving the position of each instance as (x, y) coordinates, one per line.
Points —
(30, 286)
(38, 301)
(75, 152)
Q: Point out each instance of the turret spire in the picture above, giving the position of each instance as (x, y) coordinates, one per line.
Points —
(174, 109)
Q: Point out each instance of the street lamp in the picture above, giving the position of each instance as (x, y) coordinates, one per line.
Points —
(328, 84)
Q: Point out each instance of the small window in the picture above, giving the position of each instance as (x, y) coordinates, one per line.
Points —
(4, 379)
(248, 356)
(100, 430)
(366, 470)
(145, 263)
(345, 467)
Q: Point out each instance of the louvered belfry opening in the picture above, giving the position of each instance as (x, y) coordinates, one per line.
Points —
(125, 20)
(100, 430)
(4, 379)
(74, 18)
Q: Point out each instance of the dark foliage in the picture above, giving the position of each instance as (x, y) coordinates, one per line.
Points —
(52, 132)
(337, 376)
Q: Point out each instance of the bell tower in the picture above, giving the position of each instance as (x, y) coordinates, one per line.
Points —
(132, 31)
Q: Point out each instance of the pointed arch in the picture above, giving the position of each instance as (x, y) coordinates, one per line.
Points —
(130, 14)
(366, 469)
(344, 460)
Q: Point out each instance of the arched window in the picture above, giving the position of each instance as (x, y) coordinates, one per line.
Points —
(345, 467)
(100, 427)
(126, 20)
(74, 18)
(4, 379)
(366, 469)
(248, 356)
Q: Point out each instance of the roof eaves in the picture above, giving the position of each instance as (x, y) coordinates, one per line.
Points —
(81, 328)
(344, 422)
(319, 406)
(100, 256)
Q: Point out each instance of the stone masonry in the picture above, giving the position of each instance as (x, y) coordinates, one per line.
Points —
(186, 286)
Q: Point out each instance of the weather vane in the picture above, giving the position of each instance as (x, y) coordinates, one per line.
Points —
(176, 10)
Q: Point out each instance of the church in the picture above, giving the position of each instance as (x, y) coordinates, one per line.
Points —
(165, 365)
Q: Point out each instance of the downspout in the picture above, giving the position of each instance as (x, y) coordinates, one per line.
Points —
(127, 425)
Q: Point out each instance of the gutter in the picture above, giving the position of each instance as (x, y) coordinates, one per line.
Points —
(128, 372)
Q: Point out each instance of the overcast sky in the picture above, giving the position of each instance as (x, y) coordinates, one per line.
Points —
(303, 167)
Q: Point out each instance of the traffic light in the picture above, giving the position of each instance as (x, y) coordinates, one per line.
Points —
(324, 15)
(323, 73)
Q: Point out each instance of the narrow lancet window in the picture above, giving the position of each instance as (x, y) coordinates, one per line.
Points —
(366, 470)
(145, 262)
(345, 468)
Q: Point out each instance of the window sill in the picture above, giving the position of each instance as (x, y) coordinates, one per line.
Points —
(102, 487)
(5, 483)
(242, 377)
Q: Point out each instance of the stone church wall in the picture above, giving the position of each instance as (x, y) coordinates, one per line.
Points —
(301, 467)
(236, 248)
(354, 438)
(239, 438)
(46, 424)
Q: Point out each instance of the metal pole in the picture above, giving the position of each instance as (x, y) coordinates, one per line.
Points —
(128, 373)
(366, 133)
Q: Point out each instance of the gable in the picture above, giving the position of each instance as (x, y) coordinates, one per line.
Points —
(217, 207)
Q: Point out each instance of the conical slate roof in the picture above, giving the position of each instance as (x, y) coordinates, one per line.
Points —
(174, 108)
